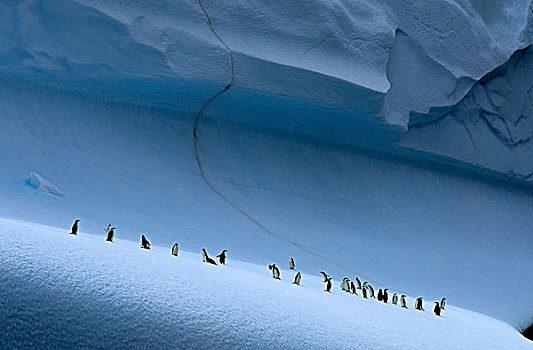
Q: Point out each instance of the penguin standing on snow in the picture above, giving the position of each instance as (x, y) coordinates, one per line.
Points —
(222, 257)
(353, 289)
(328, 285)
(385, 295)
(344, 284)
(358, 281)
(291, 264)
(418, 304)
(403, 302)
(175, 249)
(206, 258)
(443, 303)
(144, 243)
(297, 278)
(395, 299)
(365, 291)
(110, 235)
(437, 308)
(74, 230)
(275, 271)
(380, 295)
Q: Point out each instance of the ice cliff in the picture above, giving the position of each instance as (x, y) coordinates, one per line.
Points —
(416, 71)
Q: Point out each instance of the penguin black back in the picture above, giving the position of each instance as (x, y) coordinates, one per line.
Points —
(353, 289)
(144, 243)
(175, 249)
(222, 257)
(437, 308)
(297, 278)
(206, 258)
(275, 271)
(110, 235)
(74, 229)
(328, 285)
(403, 301)
(419, 304)
(291, 264)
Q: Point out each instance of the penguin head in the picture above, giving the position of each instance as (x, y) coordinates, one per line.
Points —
(386, 289)
(224, 251)
(77, 220)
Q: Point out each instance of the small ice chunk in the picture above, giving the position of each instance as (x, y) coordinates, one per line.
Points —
(40, 183)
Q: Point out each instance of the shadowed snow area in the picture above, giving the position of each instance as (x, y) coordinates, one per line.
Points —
(120, 296)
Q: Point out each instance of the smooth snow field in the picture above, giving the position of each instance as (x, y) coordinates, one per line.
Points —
(63, 291)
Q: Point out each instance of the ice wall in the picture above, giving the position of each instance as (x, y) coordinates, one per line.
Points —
(384, 62)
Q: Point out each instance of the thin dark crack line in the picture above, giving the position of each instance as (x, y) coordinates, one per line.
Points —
(220, 194)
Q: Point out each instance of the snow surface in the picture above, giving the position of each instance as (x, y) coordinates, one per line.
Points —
(59, 290)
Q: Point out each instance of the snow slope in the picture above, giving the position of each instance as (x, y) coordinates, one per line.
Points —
(400, 223)
(63, 291)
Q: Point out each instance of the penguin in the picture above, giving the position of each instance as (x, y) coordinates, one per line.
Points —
(107, 229)
(358, 281)
(380, 295)
(144, 243)
(291, 264)
(395, 299)
(443, 303)
(344, 284)
(328, 285)
(418, 304)
(365, 292)
(110, 235)
(353, 288)
(371, 290)
(385, 296)
(437, 308)
(403, 301)
(222, 257)
(206, 258)
(324, 276)
(275, 271)
(297, 278)
(175, 249)
(74, 230)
